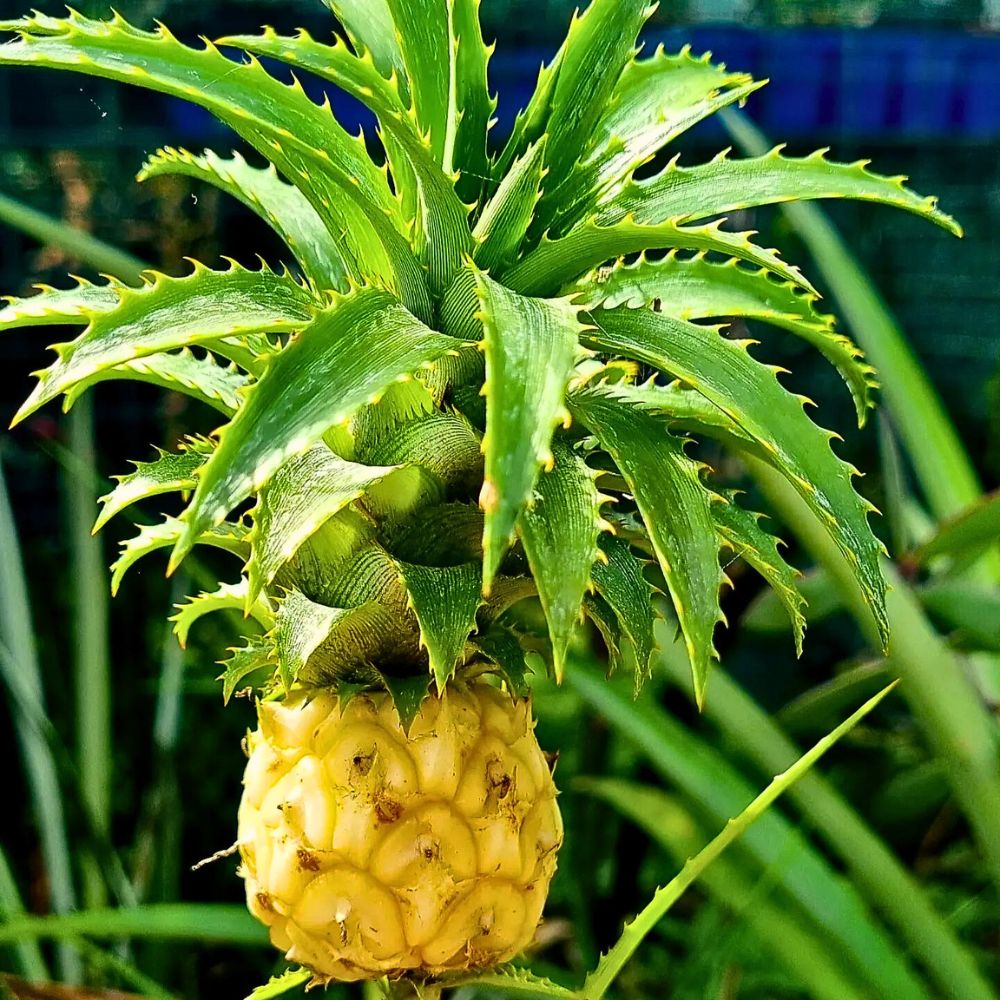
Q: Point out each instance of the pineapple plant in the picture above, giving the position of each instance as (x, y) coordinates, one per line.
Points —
(452, 426)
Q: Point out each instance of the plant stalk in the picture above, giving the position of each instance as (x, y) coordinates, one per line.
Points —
(959, 727)
(891, 889)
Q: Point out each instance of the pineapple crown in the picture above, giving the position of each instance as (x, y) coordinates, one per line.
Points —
(476, 379)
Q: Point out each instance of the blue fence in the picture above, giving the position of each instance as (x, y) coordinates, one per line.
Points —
(890, 84)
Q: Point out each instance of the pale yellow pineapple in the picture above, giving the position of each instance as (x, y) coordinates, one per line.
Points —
(473, 388)
(370, 851)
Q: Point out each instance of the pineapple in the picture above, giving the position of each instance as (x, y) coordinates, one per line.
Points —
(453, 425)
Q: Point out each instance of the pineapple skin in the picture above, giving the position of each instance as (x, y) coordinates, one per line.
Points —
(369, 851)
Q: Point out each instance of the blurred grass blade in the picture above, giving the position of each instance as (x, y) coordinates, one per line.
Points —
(970, 609)
(969, 533)
(792, 941)
(703, 774)
(614, 961)
(88, 580)
(814, 708)
(82, 246)
(29, 955)
(945, 471)
(204, 923)
(17, 636)
(877, 872)
(98, 958)
(951, 712)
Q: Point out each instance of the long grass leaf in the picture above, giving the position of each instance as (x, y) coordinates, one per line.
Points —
(614, 961)
(205, 923)
(796, 943)
(946, 703)
(90, 641)
(697, 769)
(874, 869)
(81, 246)
(43, 783)
(29, 955)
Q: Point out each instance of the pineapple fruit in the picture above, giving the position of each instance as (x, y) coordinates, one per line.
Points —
(370, 850)
(471, 388)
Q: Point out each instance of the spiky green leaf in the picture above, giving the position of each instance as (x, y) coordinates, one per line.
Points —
(697, 288)
(281, 205)
(445, 601)
(228, 597)
(53, 306)
(442, 231)
(279, 985)
(687, 194)
(171, 472)
(749, 393)
(559, 531)
(741, 531)
(255, 657)
(655, 100)
(501, 646)
(332, 169)
(622, 585)
(347, 356)
(370, 27)
(530, 347)
(676, 508)
(203, 379)
(152, 537)
(555, 263)
(303, 495)
(470, 100)
(207, 307)
(598, 46)
(505, 218)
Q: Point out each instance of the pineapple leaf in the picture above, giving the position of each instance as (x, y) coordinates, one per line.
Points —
(656, 99)
(251, 658)
(279, 985)
(471, 105)
(501, 646)
(559, 532)
(180, 371)
(228, 597)
(597, 609)
(408, 694)
(283, 207)
(304, 140)
(740, 529)
(687, 194)
(506, 216)
(529, 126)
(445, 601)
(621, 583)
(445, 446)
(530, 347)
(599, 44)
(351, 352)
(556, 262)
(372, 32)
(442, 232)
(696, 288)
(171, 472)
(750, 394)
(207, 307)
(229, 537)
(52, 306)
(424, 39)
(675, 506)
(303, 495)
(322, 645)
(301, 626)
